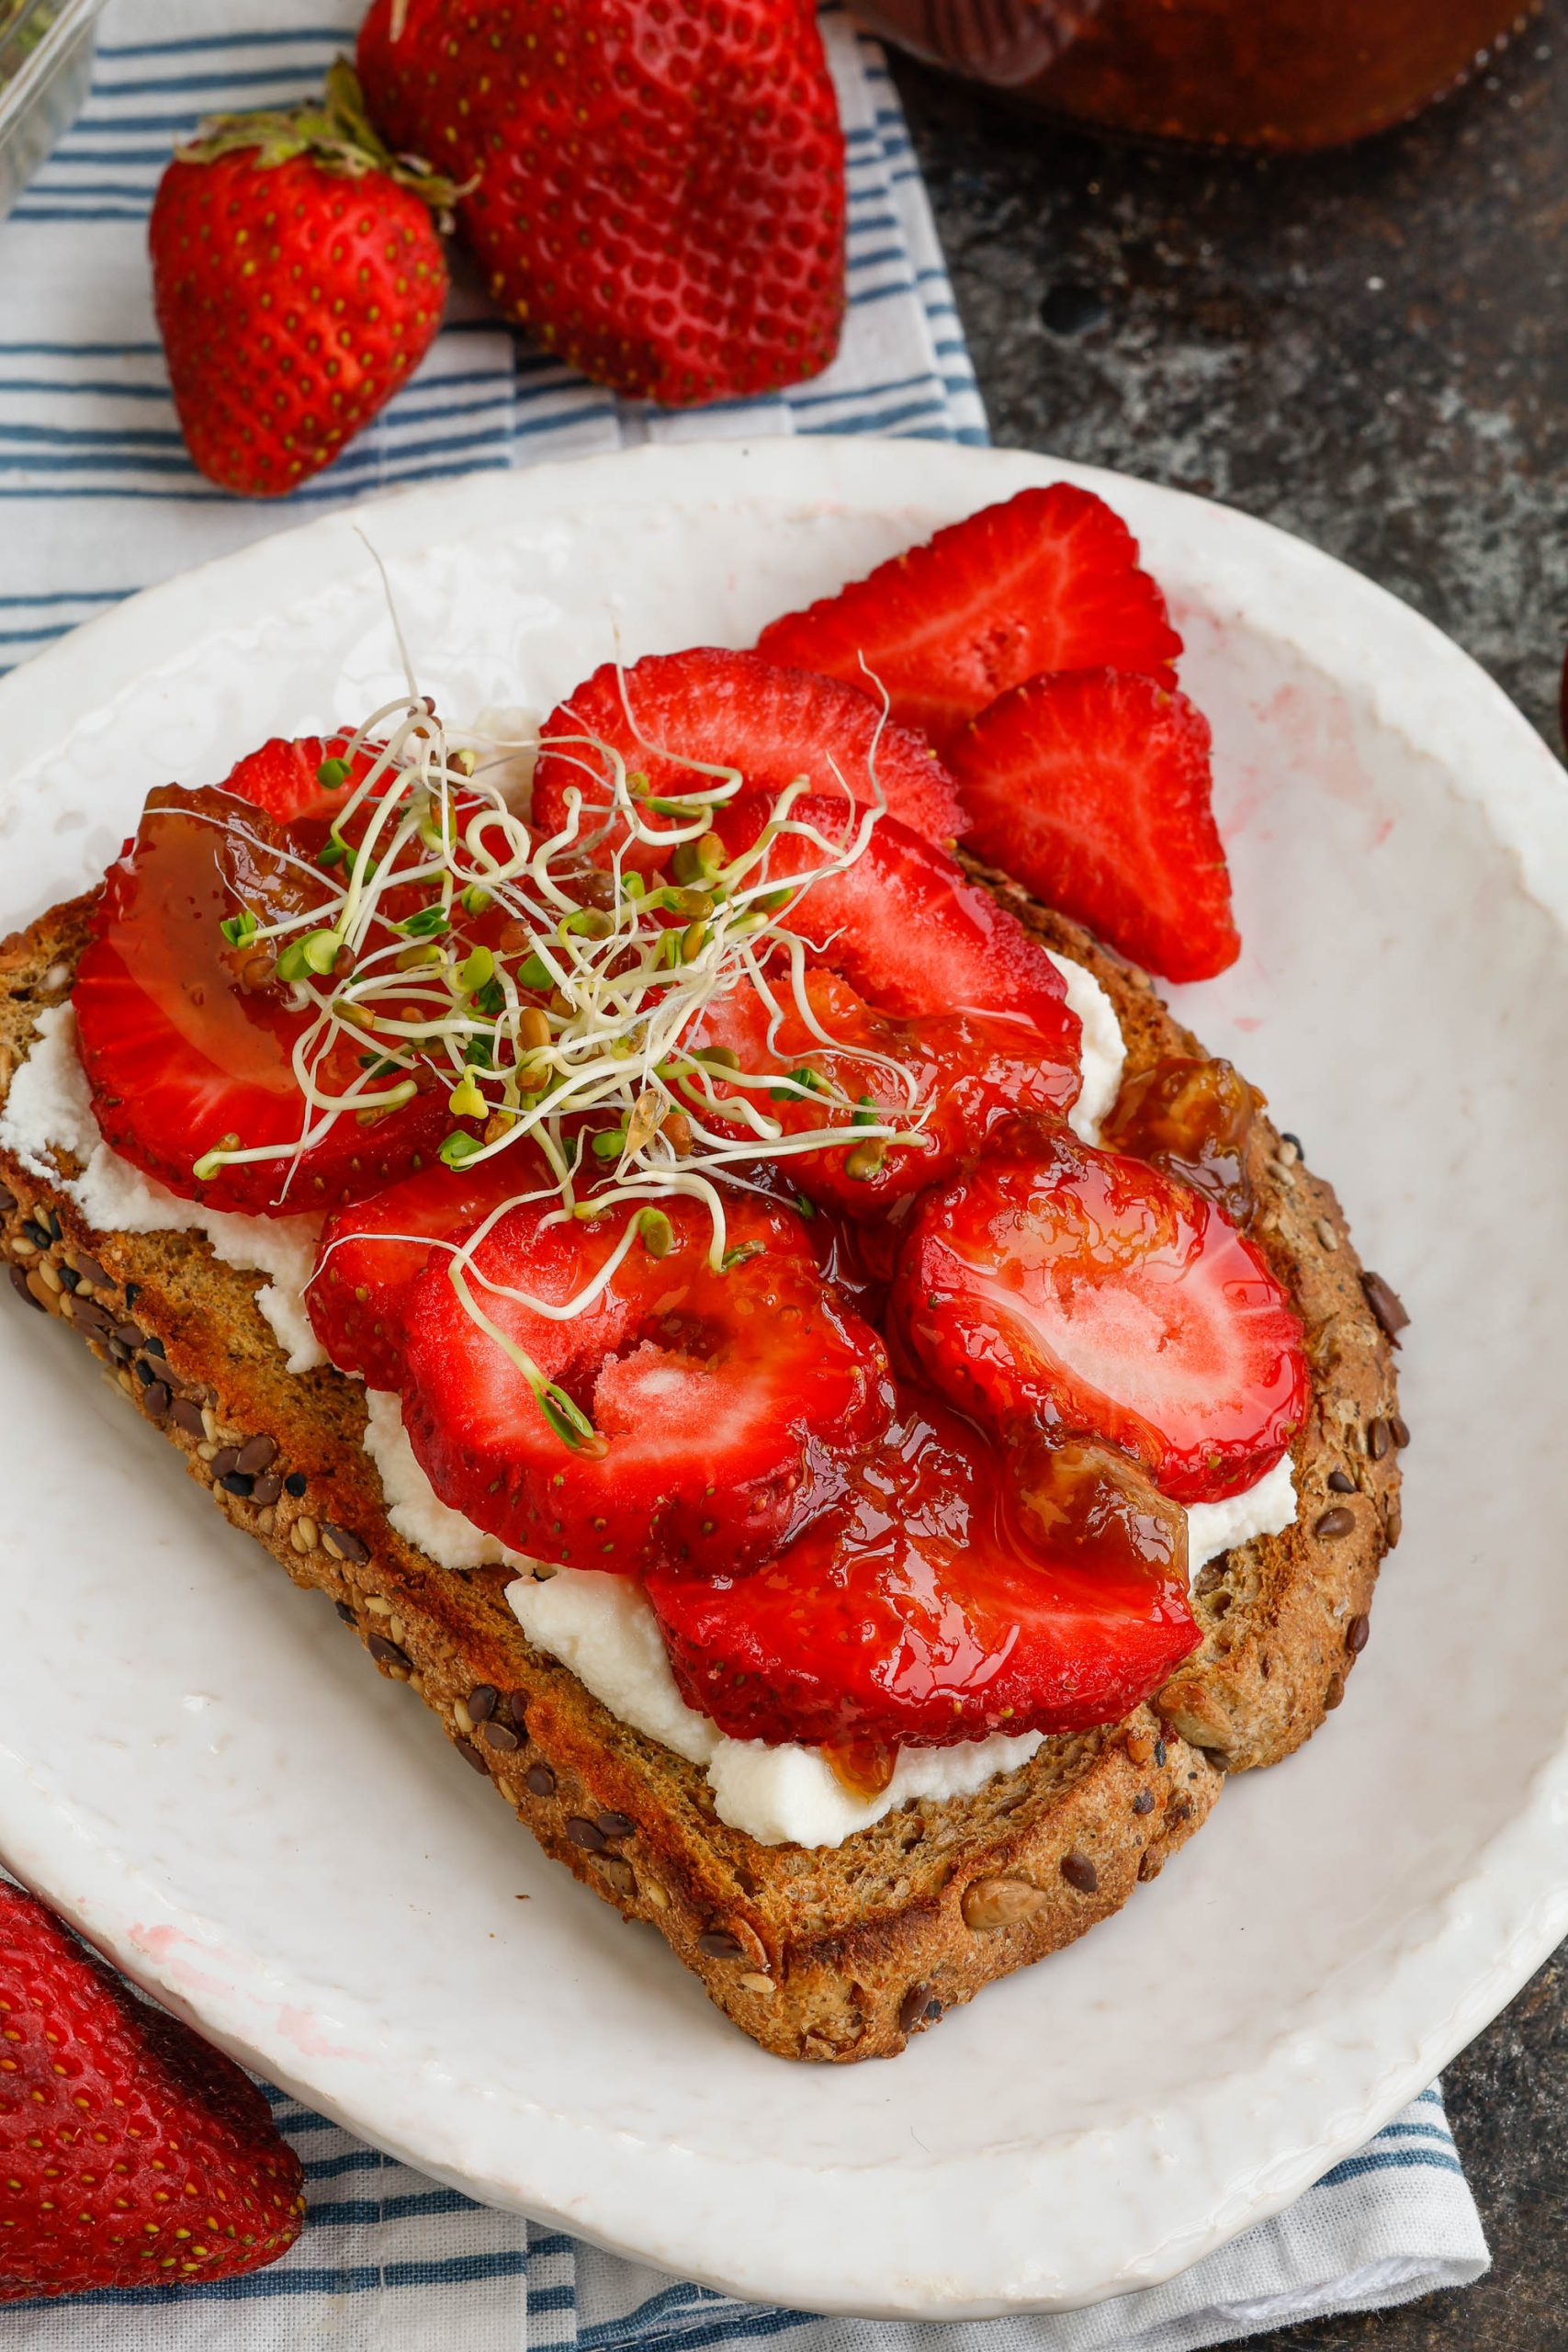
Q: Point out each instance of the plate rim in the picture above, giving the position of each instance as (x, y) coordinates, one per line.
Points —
(1518, 1901)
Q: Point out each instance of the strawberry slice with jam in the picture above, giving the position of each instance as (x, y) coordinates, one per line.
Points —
(1064, 1289)
(672, 714)
(1094, 788)
(1047, 580)
(957, 1077)
(679, 1415)
(902, 923)
(938, 1597)
(188, 1039)
(370, 1254)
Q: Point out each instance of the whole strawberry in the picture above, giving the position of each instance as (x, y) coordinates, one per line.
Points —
(660, 184)
(299, 278)
(131, 2154)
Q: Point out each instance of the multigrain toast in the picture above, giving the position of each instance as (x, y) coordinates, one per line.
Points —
(834, 1954)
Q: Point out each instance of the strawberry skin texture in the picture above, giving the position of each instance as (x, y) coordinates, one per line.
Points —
(1047, 580)
(1094, 788)
(293, 302)
(131, 2154)
(733, 710)
(660, 194)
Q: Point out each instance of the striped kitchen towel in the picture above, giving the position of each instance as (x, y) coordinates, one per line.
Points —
(97, 496)
(390, 2262)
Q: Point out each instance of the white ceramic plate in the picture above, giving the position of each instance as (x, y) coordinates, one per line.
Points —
(197, 1767)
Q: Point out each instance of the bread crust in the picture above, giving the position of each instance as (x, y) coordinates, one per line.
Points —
(831, 1955)
(1284, 1617)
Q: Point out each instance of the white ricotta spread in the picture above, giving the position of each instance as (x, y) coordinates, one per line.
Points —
(506, 737)
(49, 1109)
(413, 1504)
(1104, 1055)
(603, 1628)
(1266, 1508)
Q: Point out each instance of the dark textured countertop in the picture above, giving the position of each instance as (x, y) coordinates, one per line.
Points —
(1371, 348)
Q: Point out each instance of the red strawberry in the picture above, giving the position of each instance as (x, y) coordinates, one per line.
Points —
(298, 280)
(188, 1040)
(285, 777)
(131, 2154)
(660, 192)
(1093, 786)
(710, 1394)
(904, 924)
(922, 1607)
(1047, 581)
(966, 1075)
(1075, 1290)
(366, 1264)
(732, 710)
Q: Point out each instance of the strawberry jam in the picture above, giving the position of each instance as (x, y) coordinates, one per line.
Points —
(945, 1080)
(1193, 1119)
(945, 1592)
(1069, 1289)
(189, 1045)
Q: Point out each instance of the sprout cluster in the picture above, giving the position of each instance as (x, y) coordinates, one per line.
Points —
(579, 1029)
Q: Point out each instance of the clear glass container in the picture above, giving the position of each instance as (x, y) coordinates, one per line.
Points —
(1273, 74)
(46, 57)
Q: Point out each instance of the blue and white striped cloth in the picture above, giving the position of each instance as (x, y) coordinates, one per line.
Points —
(97, 498)
(390, 2262)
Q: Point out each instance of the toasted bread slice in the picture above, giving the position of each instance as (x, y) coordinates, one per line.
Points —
(828, 1953)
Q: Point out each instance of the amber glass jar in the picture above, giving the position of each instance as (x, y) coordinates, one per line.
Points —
(1277, 74)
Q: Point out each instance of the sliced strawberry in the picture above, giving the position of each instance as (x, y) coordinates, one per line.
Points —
(710, 1394)
(284, 776)
(1047, 581)
(955, 1077)
(1077, 1289)
(731, 710)
(370, 1254)
(909, 1612)
(182, 1051)
(904, 924)
(1094, 788)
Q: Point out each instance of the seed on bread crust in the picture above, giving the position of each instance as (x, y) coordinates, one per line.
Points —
(919, 2006)
(992, 1903)
(343, 1545)
(1386, 1305)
